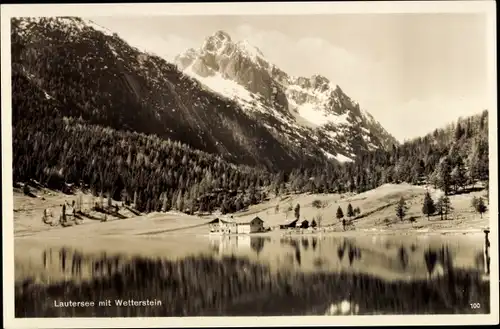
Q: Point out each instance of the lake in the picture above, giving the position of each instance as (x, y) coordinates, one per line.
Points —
(251, 275)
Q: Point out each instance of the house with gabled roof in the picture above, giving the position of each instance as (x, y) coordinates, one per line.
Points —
(254, 226)
(225, 226)
(222, 226)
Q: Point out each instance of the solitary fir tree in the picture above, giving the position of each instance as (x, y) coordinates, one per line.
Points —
(428, 208)
(401, 209)
(297, 211)
(340, 213)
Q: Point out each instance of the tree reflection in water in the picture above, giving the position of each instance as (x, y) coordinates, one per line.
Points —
(230, 285)
(314, 243)
(403, 257)
(353, 252)
(257, 243)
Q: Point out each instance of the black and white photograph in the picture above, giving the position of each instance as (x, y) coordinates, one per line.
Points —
(315, 162)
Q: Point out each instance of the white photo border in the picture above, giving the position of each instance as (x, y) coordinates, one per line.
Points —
(277, 8)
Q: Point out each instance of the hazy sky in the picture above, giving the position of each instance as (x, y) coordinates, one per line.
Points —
(413, 72)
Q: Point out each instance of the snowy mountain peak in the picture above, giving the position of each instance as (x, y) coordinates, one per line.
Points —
(221, 44)
(313, 107)
(216, 43)
(222, 35)
(250, 49)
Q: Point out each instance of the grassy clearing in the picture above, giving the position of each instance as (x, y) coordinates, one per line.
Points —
(377, 213)
(377, 209)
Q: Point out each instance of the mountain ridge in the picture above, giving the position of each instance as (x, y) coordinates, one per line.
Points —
(96, 75)
(240, 71)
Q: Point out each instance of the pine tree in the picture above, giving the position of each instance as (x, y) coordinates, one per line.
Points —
(458, 175)
(478, 162)
(401, 209)
(479, 205)
(443, 206)
(428, 208)
(444, 175)
(440, 207)
(180, 201)
(340, 213)
(297, 211)
(350, 211)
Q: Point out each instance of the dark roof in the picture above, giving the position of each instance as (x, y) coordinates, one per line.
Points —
(293, 222)
(215, 220)
(257, 217)
(218, 220)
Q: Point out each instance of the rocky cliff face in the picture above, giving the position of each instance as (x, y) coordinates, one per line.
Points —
(313, 107)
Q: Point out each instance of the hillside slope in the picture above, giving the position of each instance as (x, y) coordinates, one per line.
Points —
(377, 215)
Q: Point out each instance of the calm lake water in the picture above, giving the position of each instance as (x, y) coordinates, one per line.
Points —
(252, 276)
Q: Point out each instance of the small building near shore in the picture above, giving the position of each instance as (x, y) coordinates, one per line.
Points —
(222, 226)
(289, 225)
(231, 227)
(254, 226)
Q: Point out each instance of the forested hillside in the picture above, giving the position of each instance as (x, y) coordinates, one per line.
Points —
(97, 76)
(450, 158)
(158, 174)
(159, 148)
(94, 74)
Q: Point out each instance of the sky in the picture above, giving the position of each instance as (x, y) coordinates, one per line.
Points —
(412, 72)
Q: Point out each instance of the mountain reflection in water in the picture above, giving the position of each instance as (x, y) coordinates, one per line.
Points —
(258, 276)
